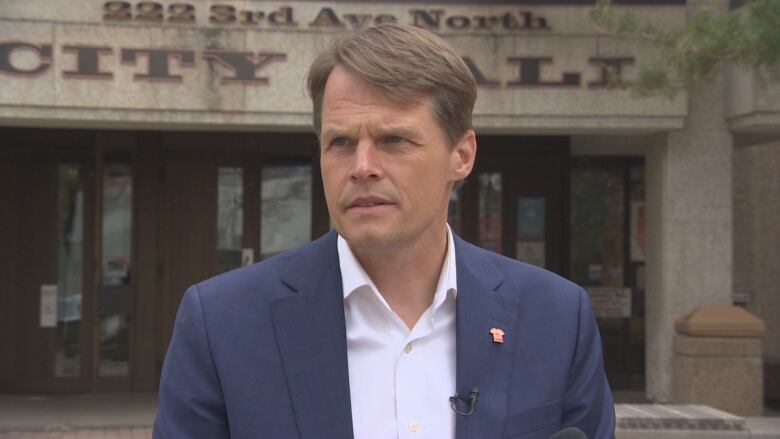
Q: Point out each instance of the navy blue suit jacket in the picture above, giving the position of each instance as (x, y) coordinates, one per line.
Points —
(260, 352)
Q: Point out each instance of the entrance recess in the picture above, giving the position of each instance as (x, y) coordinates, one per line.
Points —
(103, 231)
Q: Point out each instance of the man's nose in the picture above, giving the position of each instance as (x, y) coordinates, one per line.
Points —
(367, 162)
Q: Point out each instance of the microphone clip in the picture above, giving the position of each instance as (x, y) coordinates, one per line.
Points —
(470, 400)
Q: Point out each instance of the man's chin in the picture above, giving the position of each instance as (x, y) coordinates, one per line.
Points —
(369, 241)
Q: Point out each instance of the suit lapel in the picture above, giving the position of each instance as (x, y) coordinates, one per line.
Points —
(311, 334)
(482, 363)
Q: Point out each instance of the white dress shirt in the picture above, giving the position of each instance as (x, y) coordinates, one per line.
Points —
(400, 381)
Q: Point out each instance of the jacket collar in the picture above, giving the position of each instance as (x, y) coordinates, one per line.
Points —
(311, 335)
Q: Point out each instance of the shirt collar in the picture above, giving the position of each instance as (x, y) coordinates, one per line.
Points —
(353, 277)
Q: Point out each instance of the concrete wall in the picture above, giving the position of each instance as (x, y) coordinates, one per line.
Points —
(757, 243)
(201, 99)
(689, 205)
(753, 103)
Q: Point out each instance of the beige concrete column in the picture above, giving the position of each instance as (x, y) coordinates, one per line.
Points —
(689, 204)
(757, 244)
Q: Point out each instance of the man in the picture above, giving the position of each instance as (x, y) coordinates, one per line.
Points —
(368, 331)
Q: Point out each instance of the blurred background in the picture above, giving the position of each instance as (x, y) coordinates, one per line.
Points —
(145, 146)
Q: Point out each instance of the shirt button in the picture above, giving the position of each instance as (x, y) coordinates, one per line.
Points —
(408, 348)
(414, 426)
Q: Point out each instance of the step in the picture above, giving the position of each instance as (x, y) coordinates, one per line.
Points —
(651, 421)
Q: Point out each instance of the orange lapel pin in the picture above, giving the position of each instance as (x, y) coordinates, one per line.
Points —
(498, 335)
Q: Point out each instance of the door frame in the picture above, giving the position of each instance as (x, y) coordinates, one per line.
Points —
(52, 147)
(631, 373)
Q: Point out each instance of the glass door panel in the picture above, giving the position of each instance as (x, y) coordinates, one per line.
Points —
(70, 274)
(597, 220)
(530, 245)
(116, 275)
(607, 253)
(230, 218)
(490, 202)
(285, 208)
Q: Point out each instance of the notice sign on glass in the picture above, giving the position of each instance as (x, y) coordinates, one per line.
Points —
(614, 302)
(48, 315)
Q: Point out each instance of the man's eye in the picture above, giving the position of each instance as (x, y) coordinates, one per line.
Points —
(394, 139)
(339, 141)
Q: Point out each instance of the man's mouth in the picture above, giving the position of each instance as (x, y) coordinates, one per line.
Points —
(366, 203)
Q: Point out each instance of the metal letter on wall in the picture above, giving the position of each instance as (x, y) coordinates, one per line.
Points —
(7, 50)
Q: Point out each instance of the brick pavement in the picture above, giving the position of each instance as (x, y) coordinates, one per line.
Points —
(82, 433)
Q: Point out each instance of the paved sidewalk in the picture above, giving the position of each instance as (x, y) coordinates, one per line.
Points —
(77, 416)
(131, 415)
(83, 433)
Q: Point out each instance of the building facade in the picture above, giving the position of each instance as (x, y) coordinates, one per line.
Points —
(145, 146)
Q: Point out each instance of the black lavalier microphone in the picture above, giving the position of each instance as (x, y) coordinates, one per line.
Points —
(569, 433)
(471, 402)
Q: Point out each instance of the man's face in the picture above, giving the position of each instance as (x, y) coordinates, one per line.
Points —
(387, 169)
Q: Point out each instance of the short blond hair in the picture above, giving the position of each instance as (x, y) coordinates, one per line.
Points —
(402, 62)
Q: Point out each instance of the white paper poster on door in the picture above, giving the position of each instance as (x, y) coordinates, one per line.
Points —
(247, 256)
(48, 311)
(614, 302)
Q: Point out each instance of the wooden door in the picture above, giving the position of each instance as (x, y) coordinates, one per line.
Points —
(513, 202)
(221, 209)
(187, 230)
(46, 267)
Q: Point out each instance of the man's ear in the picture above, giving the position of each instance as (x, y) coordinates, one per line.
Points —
(463, 155)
